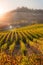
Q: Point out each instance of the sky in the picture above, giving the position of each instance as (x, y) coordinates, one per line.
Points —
(7, 5)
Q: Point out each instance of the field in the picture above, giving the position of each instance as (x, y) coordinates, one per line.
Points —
(25, 44)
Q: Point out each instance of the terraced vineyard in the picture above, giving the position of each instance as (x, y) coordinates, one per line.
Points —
(25, 40)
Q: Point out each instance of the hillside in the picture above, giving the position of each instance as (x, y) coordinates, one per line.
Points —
(23, 16)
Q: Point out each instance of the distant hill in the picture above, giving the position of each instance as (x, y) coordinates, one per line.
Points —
(23, 16)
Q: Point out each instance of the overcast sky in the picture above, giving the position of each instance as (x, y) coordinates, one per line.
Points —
(8, 5)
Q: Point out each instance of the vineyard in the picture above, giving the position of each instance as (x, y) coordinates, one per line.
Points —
(25, 41)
